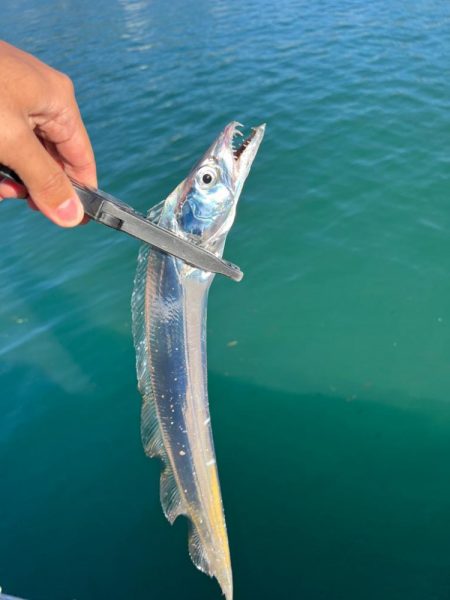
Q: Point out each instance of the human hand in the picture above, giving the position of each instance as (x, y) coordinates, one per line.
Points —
(42, 138)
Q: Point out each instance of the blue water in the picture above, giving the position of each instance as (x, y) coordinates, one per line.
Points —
(329, 364)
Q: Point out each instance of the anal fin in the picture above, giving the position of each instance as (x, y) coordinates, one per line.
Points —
(196, 551)
(150, 432)
(171, 500)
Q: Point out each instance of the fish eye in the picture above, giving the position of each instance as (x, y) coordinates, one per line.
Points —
(207, 177)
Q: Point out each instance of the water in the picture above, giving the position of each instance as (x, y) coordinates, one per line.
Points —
(329, 364)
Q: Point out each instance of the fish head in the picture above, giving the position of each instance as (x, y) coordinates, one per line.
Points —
(205, 202)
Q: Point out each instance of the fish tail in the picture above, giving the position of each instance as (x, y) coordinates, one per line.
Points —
(222, 572)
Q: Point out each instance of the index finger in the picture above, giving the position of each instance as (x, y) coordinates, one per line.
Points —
(71, 144)
(77, 154)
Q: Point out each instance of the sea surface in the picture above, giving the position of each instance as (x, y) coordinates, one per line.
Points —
(329, 365)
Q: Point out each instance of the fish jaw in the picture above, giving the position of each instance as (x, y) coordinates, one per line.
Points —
(235, 158)
(204, 212)
(238, 157)
(243, 154)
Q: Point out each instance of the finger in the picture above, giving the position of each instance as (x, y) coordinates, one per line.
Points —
(78, 155)
(47, 184)
(51, 149)
(70, 144)
(11, 189)
(33, 206)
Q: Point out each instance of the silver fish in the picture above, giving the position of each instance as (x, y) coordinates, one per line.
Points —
(169, 328)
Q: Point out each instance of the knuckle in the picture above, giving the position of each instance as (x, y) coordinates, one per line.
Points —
(65, 83)
(65, 121)
(52, 184)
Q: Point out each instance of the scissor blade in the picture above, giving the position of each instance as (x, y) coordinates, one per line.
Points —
(106, 209)
(110, 211)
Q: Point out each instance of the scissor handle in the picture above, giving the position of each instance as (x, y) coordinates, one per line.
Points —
(10, 174)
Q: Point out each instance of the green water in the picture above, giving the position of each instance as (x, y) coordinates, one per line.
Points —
(329, 364)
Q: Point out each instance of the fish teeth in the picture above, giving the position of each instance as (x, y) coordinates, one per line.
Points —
(237, 152)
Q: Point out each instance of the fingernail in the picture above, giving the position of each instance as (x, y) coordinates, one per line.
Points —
(70, 212)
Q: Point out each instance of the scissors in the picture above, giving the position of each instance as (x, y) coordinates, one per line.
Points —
(109, 211)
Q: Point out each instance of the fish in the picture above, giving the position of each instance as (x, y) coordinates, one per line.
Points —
(169, 307)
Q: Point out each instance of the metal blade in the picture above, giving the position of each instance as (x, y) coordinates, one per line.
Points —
(110, 211)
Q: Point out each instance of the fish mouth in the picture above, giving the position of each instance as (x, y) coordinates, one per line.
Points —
(244, 147)
(234, 153)
(239, 151)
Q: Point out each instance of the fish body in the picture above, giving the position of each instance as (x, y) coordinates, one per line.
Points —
(169, 308)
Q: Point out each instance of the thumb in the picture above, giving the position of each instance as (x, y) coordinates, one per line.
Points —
(47, 184)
